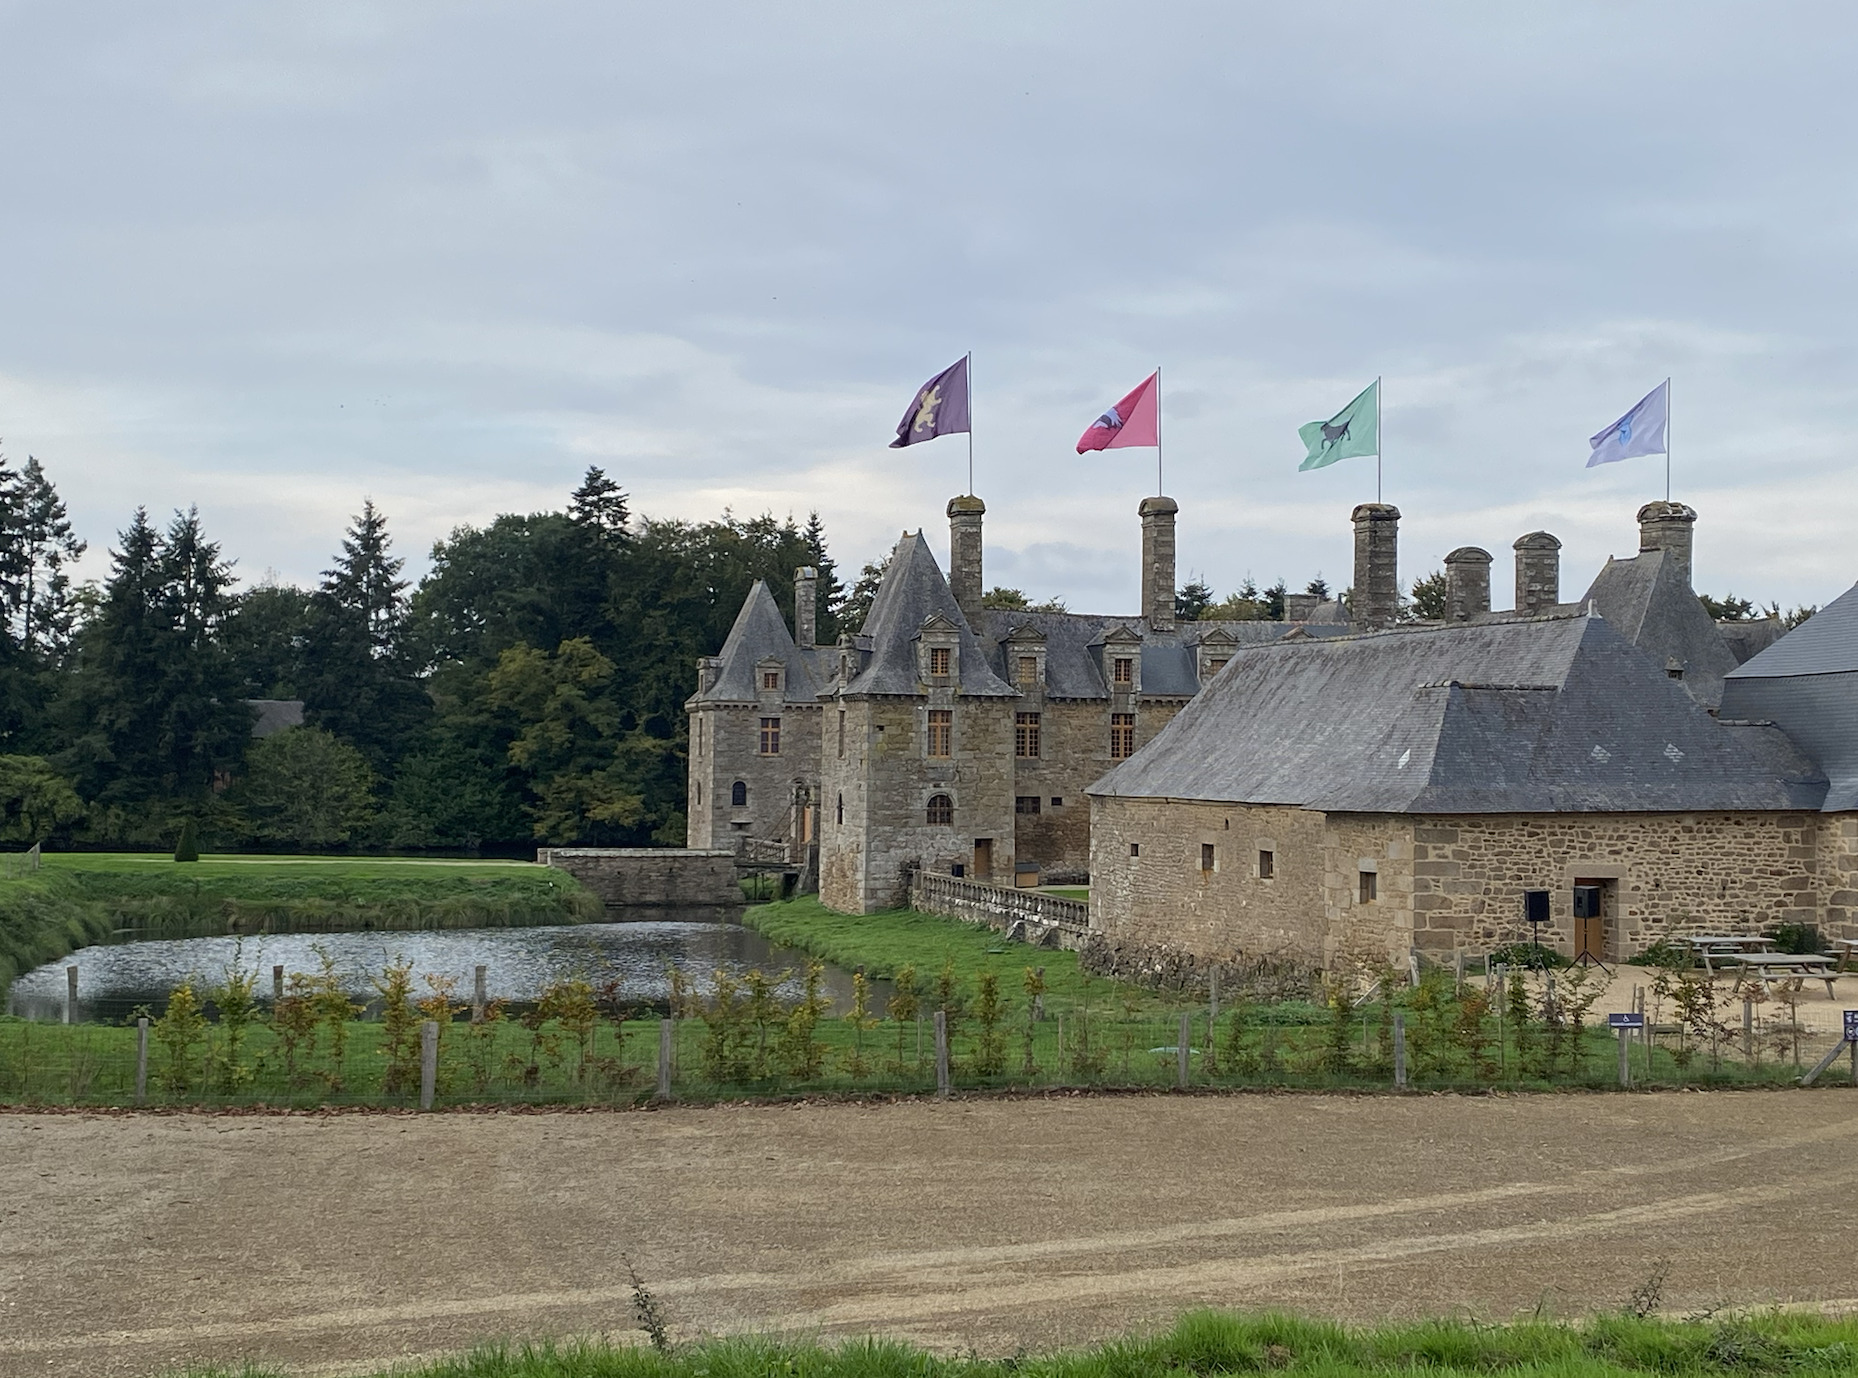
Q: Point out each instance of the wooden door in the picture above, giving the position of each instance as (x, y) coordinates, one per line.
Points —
(983, 858)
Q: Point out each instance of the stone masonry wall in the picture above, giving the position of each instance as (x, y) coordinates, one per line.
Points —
(650, 877)
(731, 750)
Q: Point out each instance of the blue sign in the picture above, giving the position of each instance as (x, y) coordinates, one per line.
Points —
(1635, 1020)
(1851, 1025)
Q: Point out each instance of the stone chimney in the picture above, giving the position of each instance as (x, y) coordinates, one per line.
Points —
(1299, 606)
(1667, 526)
(1467, 583)
(1377, 566)
(806, 607)
(1538, 572)
(1158, 561)
(709, 670)
(964, 555)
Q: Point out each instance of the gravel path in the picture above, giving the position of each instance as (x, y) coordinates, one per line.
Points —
(132, 1243)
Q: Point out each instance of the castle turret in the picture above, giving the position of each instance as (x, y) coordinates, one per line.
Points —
(964, 554)
(1376, 600)
(1467, 583)
(1538, 572)
(1157, 515)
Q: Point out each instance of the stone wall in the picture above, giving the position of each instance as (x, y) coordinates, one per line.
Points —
(726, 747)
(1444, 885)
(1024, 915)
(650, 877)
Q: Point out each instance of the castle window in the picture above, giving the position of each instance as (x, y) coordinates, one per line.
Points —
(841, 732)
(1206, 856)
(1122, 736)
(1267, 865)
(939, 656)
(770, 736)
(738, 794)
(841, 808)
(1213, 667)
(1370, 887)
(1028, 672)
(770, 679)
(1026, 734)
(941, 810)
(698, 791)
(1135, 849)
(942, 732)
(1122, 670)
(1057, 803)
(1026, 803)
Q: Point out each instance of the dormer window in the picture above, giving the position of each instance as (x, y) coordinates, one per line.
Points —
(939, 658)
(1122, 669)
(1213, 667)
(1026, 671)
(771, 679)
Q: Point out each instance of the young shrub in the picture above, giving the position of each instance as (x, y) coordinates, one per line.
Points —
(1084, 1060)
(1579, 991)
(1239, 1058)
(947, 997)
(188, 848)
(178, 1032)
(399, 1029)
(860, 1018)
(235, 996)
(990, 1043)
(1035, 1000)
(1338, 1045)
(1471, 1032)
(1517, 1000)
(570, 1003)
(905, 1006)
(765, 1014)
(332, 1010)
(294, 1024)
(801, 1055)
(440, 1005)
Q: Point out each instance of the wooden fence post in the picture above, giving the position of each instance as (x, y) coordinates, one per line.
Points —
(71, 995)
(479, 994)
(1212, 1002)
(1180, 1053)
(941, 1054)
(141, 1060)
(1399, 1017)
(1458, 975)
(664, 1059)
(1748, 1029)
(277, 983)
(1625, 1056)
(428, 1062)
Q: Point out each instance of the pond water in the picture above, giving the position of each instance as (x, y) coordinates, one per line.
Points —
(114, 980)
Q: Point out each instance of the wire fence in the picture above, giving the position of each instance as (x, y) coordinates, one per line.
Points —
(740, 1039)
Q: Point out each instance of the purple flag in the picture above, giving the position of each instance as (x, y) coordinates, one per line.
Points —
(940, 407)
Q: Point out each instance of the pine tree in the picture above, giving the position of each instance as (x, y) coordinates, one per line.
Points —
(599, 505)
(46, 544)
(831, 591)
(366, 582)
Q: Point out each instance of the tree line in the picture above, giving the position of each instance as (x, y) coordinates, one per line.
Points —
(527, 690)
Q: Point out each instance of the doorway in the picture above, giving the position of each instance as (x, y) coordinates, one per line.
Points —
(1594, 910)
(983, 858)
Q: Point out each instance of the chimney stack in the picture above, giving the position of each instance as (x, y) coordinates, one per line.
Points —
(806, 607)
(964, 555)
(1467, 583)
(1667, 526)
(1299, 606)
(1538, 572)
(1376, 602)
(1158, 561)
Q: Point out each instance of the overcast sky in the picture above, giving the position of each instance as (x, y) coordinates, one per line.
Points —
(272, 258)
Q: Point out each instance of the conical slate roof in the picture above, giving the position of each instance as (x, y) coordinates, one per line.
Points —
(1553, 715)
(912, 591)
(1807, 684)
(1649, 601)
(760, 633)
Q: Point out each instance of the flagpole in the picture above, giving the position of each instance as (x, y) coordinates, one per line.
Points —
(1667, 440)
(1379, 439)
(1158, 484)
(968, 374)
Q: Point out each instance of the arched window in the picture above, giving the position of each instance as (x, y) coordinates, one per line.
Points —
(941, 809)
(738, 794)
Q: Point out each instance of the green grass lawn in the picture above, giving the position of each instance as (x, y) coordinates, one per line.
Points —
(237, 864)
(1205, 1343)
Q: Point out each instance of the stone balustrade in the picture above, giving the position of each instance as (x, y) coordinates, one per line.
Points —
(1024, 915)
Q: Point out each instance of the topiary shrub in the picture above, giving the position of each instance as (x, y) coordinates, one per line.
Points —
(188, 848)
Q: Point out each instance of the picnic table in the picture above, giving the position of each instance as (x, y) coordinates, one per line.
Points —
(1706, 946)
(1848, 948)
(1769, 967)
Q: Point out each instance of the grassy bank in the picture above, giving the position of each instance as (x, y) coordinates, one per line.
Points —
(1219, 1343)
(81, 898)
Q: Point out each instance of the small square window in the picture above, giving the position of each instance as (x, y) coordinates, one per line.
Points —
(1026, 803)
(1370, 887)
(1206, 856)
(770, 679)
(939, 657)
(1267, 865)
(1057, 803)
(1122, 669)
(1135, 849)
(1027, 672)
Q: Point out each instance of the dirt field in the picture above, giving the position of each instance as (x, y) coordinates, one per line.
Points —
(128, 1244)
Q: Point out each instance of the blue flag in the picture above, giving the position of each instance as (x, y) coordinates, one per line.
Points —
(1640, 431)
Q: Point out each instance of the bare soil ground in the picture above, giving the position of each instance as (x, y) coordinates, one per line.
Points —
(129, 1244)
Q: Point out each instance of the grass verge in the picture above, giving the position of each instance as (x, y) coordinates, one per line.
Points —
(1206, 1342)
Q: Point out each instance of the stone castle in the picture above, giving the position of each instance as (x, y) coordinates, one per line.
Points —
(948, 737)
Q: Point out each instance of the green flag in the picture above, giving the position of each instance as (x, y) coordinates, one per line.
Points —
(1355, 430)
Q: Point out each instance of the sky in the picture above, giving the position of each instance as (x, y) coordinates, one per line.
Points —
(273, 259)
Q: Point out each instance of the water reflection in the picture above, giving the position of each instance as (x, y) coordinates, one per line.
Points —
(114, 980)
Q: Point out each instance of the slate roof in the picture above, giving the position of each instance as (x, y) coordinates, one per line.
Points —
(1807, 684)
(760, 633)
(913, 590)
(1554, 715)
(1650, 602)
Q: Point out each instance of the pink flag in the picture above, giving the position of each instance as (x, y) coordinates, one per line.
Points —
(1136, 420)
